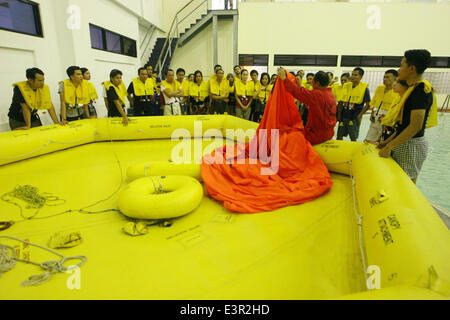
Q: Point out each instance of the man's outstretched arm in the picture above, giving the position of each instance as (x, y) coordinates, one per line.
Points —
(303, 95)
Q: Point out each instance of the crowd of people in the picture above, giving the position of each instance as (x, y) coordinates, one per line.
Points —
(400, 106)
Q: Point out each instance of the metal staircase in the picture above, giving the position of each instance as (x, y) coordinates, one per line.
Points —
(164, 48)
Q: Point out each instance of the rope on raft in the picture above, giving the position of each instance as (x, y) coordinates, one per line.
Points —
(8, 262)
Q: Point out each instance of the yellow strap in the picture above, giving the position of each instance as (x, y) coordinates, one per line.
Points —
(36, 100)
(92, 91)
(121, 91)
(141, 89)
(79, 95)
(354, 95)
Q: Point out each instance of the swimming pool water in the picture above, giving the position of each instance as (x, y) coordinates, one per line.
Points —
(434, 179)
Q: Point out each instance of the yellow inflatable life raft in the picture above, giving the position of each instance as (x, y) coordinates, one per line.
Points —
(374, 229)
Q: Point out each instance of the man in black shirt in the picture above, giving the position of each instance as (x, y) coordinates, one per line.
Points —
(408, 145)
(116, 104)
(142, 104)
(21, 115)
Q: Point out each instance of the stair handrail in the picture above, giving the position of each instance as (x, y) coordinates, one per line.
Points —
(178, 23)
(158, 63)
(149, 40)
(168, 43)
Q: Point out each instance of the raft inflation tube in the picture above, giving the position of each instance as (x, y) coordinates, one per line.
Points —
(403, 241)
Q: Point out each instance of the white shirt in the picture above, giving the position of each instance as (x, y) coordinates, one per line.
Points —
(169, 100)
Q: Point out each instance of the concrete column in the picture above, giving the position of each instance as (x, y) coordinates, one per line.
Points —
(235, 39)
(215, 40)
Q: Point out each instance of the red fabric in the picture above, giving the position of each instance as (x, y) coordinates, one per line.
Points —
(321, 113)
(301, 176)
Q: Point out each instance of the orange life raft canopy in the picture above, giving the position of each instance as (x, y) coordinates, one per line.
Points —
(278, 168)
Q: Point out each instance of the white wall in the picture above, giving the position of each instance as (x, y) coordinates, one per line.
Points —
(153, 12)
(342, 29)
(197, 54)
(61, 47)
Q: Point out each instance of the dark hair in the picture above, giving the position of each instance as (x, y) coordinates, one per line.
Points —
(253, 72)
(230, 75)
(191, 75)
(236, 66)
(360, 70)
(329, 72)
(265, 74)
(168, 70)
(393, 72)
(420, 58)
(140, 69)
(115, 73)
(32, 72)
(71, 70)
(242, 71)
(84, 70)
(403, 83)
(346, 74)
(300, 70)
(148, 65)
(292, 72)
(181, 70)
(274, 75)
(195, 74)
(217, 65)
(310, 74)
(322, 78)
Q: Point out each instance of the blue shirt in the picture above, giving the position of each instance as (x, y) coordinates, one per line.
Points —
(350, 112)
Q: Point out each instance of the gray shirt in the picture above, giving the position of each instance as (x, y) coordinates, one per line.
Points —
(72, 111)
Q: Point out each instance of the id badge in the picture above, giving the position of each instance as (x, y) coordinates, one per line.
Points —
(45, 118)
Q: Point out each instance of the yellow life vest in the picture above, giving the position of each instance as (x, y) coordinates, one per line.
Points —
(78, 95)
(384, 99)
(92, 91)
(395, 115)
(257, 85)
(121, 91)
(247, 89)
(336, 88)
(36, 100)
(264, 95)
(174, 86)
(185, 86)
(308, 86)
(142, 89)
(230, 88)
(199, 91)
(219, 89)
(356, 94)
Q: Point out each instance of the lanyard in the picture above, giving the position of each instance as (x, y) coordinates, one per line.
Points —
(380, 104)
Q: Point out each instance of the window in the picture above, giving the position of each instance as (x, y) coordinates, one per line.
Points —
(129, 47)
(440, 62)
(388, 61)
(370, 61)
(20, 16)
(254, 60)
(305, 60)
(113, 42)
(96, 37)
(106, 40)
